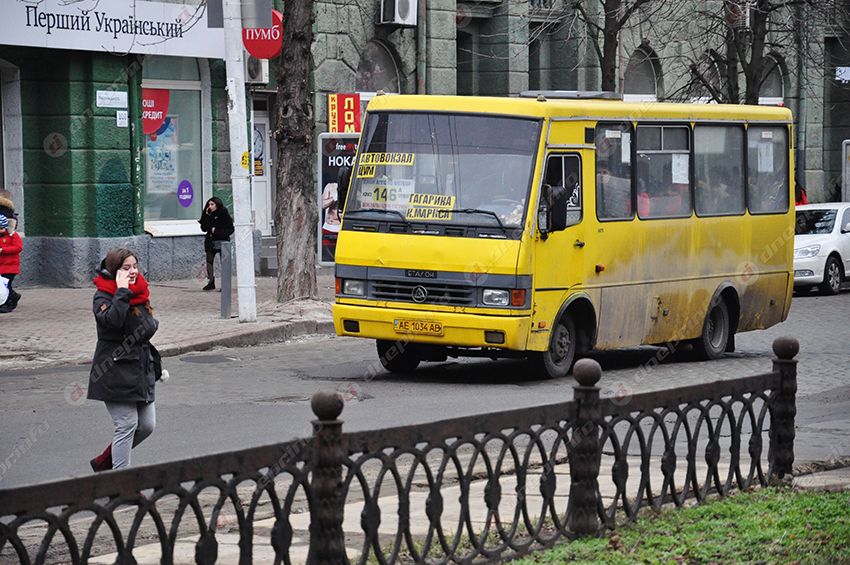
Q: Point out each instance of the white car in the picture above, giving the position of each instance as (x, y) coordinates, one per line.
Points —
(822, 246)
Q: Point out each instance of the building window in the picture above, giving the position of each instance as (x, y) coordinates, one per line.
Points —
(174, 148)
(772, 89)
(643, 77)
(466, 62)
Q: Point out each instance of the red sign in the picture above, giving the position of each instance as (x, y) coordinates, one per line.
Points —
(264, 42)
(344, 113)
(154, 108)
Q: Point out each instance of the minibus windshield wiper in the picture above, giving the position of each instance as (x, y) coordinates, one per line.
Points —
(381, 210)
(480, 211)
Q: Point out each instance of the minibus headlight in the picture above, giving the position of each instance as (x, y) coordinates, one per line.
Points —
(495, 297)
(808, 251)
(354, 287)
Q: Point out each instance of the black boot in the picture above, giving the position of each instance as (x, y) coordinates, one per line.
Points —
(210, 285)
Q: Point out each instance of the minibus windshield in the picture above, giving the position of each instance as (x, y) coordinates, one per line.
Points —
(470, 170)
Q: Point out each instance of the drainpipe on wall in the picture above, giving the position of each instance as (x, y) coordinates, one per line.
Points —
(421, 46)
(134, 72)
(800, 165)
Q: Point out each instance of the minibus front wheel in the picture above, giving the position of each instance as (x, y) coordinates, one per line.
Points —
(398, 356)
(557, 361)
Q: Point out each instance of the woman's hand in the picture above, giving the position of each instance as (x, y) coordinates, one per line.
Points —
(122, 279)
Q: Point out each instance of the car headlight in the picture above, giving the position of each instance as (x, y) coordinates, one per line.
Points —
(354, 287)
(808, 251)
(495, 297)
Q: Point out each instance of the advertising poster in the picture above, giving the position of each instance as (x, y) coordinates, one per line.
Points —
(161, 162)
(336, 155)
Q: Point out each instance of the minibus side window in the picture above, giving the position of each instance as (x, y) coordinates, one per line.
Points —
(718, 170)
(767, 169)
(614, 172)
(565, 171)
(663, 172)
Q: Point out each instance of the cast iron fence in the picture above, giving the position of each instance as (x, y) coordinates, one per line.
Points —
(464, 490)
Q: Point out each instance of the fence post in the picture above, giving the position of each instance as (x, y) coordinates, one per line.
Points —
(327, 541)
(784, 406)
(585, 455)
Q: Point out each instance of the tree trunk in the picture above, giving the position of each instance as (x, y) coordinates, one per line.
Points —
(610, 38)
(754, 70)
(296, 209)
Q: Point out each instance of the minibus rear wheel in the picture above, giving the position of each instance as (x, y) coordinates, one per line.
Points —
(715, 332)
(557, 361)
(398, 356)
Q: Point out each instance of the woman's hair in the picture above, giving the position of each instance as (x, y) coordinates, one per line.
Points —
(115, 258)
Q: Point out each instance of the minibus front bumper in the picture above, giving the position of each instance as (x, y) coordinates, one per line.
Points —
(440, 328)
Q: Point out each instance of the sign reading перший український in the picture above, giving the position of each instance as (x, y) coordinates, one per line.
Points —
(140, 26)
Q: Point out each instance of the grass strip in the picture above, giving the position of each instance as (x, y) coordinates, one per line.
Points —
(770, 525)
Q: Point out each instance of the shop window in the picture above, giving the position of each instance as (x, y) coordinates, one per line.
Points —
(174, 148)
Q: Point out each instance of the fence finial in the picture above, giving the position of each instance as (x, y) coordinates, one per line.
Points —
(786, 347)
(326, 405)
(587, 372)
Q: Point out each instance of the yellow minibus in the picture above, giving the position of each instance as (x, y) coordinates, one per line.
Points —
(556, 223)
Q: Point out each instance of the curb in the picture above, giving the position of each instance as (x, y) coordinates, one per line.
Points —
(273, 334)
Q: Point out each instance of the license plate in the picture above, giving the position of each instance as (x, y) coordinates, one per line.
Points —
(421, 327)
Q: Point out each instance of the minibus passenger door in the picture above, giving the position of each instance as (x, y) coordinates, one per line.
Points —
(559, 246)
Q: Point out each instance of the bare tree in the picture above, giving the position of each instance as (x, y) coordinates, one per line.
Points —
(741, 34)
(296, 211)
(608, 21)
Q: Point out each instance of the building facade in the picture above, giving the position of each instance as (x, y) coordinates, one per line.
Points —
(80, 82)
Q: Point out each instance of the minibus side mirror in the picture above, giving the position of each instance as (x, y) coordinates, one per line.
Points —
(543, 212)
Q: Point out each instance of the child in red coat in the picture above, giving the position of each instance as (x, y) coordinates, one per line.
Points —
(10, 261)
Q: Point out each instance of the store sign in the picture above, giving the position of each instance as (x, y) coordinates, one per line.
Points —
(344, 113)
(154, 109)
(265, 42)
(141, 26)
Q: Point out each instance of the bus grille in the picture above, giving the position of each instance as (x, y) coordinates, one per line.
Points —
(453, 294)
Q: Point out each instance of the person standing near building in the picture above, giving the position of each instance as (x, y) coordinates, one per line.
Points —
(218, 225)
(125, 365)
(10, 262)
(7, 208)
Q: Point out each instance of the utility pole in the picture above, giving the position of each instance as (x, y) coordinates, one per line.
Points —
(239, 161)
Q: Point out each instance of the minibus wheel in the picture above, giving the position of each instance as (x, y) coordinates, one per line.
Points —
(398, 356)
(715, 332)
(557, 361)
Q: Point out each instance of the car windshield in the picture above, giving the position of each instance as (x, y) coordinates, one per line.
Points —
(814, 221)
(444, 168)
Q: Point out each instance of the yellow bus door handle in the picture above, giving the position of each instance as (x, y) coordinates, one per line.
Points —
(578, 243)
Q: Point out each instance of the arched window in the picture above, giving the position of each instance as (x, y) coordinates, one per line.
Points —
(377, 70)
(642, 77)
(772, 90)
(177, 150)
(706, 83)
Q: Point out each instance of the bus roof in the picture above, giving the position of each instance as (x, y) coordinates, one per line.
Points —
(592, 109)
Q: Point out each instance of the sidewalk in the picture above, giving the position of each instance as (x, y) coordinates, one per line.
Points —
(53, 326)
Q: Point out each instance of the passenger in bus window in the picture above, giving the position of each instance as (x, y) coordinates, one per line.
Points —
(616, 193)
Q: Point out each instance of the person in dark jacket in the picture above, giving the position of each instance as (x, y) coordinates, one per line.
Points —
(125, 364)
(218, 225)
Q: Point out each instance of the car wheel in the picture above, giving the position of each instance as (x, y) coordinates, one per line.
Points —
(715, 333)
(832, 276)
(397, 356)
(557, 361)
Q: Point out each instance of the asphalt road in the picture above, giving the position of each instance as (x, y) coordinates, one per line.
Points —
(229, 399)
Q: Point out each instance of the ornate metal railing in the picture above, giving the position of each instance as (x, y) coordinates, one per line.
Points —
(465, 490)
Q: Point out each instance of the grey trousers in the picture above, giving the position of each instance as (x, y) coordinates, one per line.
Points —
(134, 421)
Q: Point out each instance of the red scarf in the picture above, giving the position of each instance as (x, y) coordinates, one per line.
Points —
(141, 291)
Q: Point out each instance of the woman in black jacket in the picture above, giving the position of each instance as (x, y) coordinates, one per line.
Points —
(218, 225)
(125, 364)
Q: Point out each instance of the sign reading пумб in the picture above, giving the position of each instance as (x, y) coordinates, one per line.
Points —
(141, 26)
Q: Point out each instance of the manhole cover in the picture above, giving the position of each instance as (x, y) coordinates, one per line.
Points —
(207, 359)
